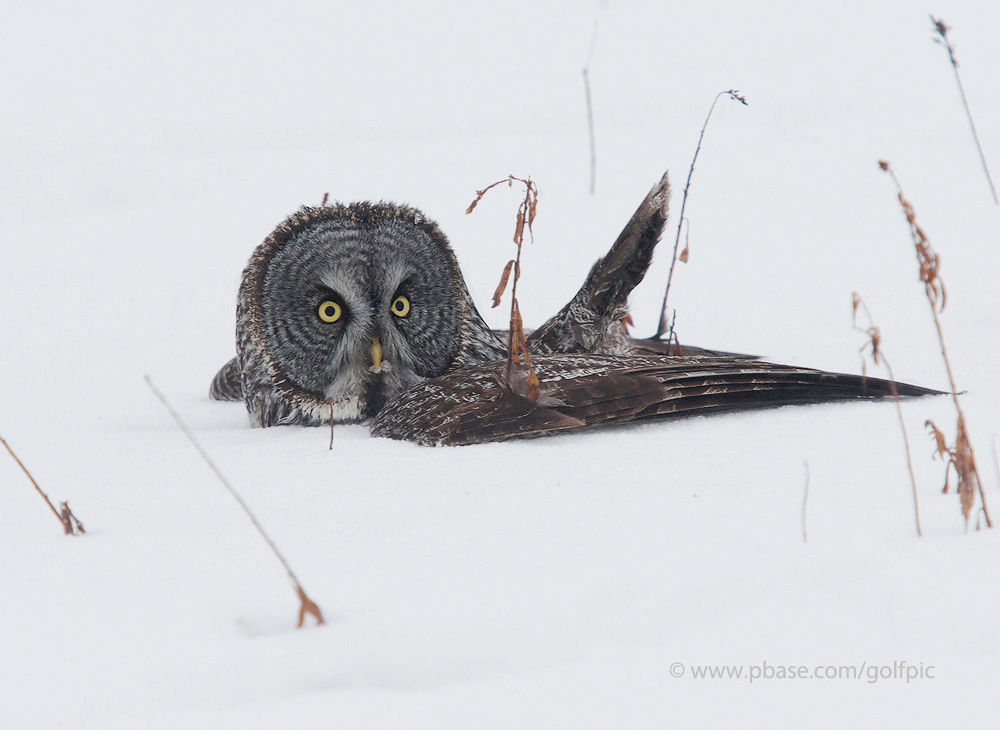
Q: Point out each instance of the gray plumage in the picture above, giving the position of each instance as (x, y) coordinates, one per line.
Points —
(360, 313)
(296, 369)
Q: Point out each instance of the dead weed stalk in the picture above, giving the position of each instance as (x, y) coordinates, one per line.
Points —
(516, 342)
(590, 110)
(942, 39)
(964, 459)
(732, 94)
(306, 605)
(878, 357)
(71, 525)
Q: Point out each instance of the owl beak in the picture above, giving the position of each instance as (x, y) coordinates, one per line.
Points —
(376, 355)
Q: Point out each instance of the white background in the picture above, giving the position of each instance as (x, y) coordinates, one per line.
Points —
(145, 151)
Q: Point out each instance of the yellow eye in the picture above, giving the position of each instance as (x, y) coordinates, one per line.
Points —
(400, 306)
(329, 311)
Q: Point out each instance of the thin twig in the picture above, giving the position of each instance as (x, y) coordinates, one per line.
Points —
(906, 444)
(65, 517)
(306, 605)
(732, 94)
(330, 401)
(590, 111)
(942, 30)
(590, 131)
(805, 499)
(673, 344)
(31, 478)
(875, 342)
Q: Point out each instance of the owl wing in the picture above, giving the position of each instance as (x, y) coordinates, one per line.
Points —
(656, 346)
(591, 322)
(474, 405)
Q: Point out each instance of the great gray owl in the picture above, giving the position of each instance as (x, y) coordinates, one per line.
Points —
(360, 313)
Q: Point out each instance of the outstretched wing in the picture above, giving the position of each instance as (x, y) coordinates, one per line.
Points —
(592, 321)
(475, 405)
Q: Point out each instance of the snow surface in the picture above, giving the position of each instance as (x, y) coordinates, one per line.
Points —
(553, 583)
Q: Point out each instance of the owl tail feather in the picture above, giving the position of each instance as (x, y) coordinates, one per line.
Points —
(226, 383)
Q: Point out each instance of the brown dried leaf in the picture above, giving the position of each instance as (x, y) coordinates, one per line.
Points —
(941, 443)
(515, 342)
(946, 454)
(71, 525)
(517, 327)
(502, 286)
(64, 515)
(876, 336)
(519, 227)
(532, 385)
(306, 606)
(514, 355)
(684, 255)
(965, 467)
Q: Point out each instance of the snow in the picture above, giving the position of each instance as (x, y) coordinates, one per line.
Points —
(549, 583)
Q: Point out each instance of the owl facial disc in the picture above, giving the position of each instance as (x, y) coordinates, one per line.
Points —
(344, 307)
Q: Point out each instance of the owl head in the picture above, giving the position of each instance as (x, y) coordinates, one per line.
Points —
(343, 307)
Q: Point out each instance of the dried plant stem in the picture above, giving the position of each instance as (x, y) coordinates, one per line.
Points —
(511, 336)
(31, 478)
(515, 337)
(805, 500)
(930, 263)
(875, 337)
(306, 605)
(732, 94)
(942, 30)
(673, 343)
(906, 444)
(516, 341)
(590, 111)
(330, 402)
(590, 131)
(65, 516)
